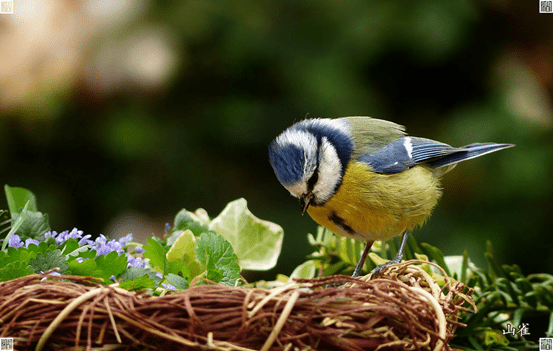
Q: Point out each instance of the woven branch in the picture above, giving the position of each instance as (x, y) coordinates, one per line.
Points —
(405, 310)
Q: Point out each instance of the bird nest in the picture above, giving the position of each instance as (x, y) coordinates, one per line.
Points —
(404, 310)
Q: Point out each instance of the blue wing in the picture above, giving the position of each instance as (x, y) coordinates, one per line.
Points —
(407, 152)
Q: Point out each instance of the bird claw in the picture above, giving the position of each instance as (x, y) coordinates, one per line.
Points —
(378, 270)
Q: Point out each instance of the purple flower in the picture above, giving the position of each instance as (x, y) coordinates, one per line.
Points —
(31, 241)
(15, 241)
(135, 262)
(101, 240)
(75, 234)
(101, 245)
(139, 250)
(64, 236)
(50, 235)
(169, 286)
(104, 247)
(84, 240)
(124, 240)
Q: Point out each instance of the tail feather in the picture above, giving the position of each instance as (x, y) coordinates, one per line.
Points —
(468, 152)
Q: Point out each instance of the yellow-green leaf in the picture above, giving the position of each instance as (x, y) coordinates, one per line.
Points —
(256, 242)
(182, 251)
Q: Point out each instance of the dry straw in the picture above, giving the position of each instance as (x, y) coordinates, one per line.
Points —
(404, 310)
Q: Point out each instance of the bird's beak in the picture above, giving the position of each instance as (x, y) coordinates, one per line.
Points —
(305, 201)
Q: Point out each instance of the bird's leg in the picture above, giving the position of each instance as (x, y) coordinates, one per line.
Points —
(361, 262)
(399, 256)
(359, 266)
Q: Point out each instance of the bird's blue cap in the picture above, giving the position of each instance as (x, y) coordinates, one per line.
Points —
(299, 144)
(287, 161)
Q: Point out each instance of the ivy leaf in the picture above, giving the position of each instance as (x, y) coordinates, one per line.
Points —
(48, 260)
(182, 251)
(305, 270)
(257, 242)
(197, 222)
(217, 255)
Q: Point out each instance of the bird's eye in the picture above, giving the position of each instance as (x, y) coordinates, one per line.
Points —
(312, 181)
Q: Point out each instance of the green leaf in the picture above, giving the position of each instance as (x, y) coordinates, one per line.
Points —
(183, 252)
(350, 250)
(49, 260)
(138, 284)
(464, 266)
(305, 270)
(412, 242)
(15, 225)
(112, 264)
(184, 220)
(15, 255)
(136, 272)
(182, 249)
(71, 247)
(177, 281)
(436, 255)
(336, 268)
(101, 266)
(15, 270)
(18, 198)
(257, 243)
(156, 253)
(217, 255)
(23, 254)
(43, 247)
(34, 224)
(178, 268)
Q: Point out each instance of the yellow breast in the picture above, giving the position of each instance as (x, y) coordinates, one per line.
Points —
(370, 206)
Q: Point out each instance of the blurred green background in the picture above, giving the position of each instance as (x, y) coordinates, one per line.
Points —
(117, 114)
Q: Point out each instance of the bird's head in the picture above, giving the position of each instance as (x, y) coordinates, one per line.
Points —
(310, 157)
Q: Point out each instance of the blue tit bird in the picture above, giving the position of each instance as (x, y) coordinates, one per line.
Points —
(365, 178)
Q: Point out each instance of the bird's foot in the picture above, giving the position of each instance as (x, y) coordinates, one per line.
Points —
(381, 268)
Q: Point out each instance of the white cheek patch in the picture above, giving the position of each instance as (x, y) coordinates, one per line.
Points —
(297, 190)
(330, 171)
